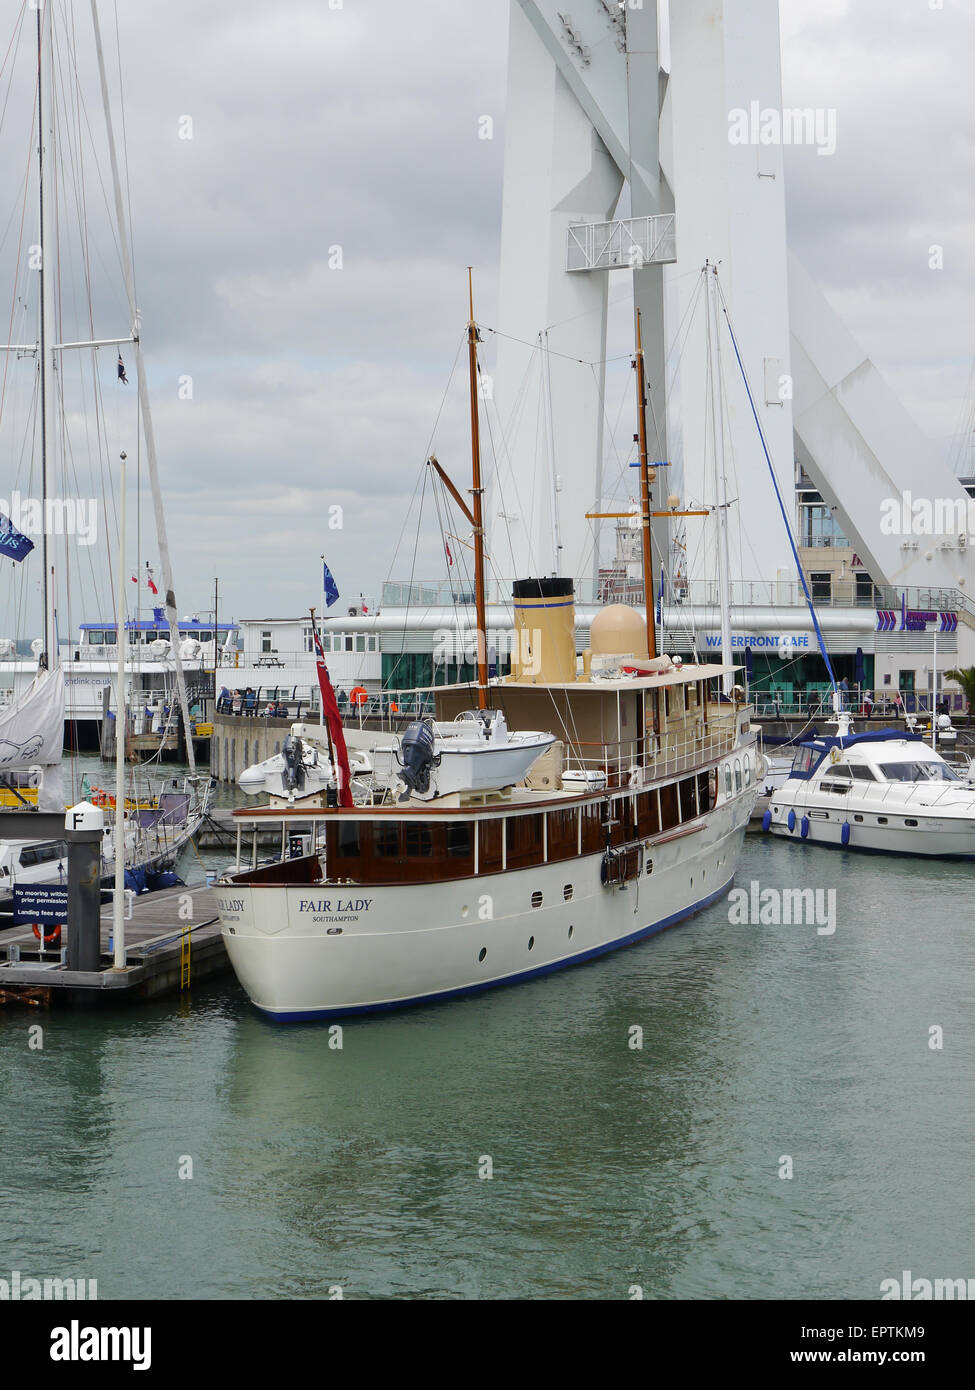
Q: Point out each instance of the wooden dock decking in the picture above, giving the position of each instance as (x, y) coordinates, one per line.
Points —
(171, 941)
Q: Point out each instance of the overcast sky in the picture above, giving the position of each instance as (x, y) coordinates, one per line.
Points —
(357, 127)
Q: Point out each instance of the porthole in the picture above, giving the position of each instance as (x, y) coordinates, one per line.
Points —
(531, 943)
(649, 866)
(567, 892)
(881, 820)
(910, 822)
(482, 953)
(536, 898)
(571, 930)
(334, 931)
(858, 818)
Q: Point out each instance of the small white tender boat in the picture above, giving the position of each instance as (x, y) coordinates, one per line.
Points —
(884, 791)
(475, 752)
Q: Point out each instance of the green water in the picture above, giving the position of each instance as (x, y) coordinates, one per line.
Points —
(612, 1167)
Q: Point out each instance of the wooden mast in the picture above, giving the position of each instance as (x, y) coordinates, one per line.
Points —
(476, 494)
(641, 395)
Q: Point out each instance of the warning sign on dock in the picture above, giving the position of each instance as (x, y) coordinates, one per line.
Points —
(43, 903)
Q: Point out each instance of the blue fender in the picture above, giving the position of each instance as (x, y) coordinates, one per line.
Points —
(766, 820)
(804, 827)
(791, 822)
(845, 833)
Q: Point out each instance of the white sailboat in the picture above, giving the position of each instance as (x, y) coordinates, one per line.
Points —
(151, 826)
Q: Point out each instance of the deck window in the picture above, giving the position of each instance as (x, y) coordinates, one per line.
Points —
(647, 814)
(669, 815)
(348, 839)
(524, 841)
(562, 834)
(419, 841)
(459, 841)
(386, 840)
(593, 835)
(688, 798)
(489, 846)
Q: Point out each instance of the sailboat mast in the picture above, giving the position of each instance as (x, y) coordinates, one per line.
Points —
(150, 438)
(641, 400)
(45, 170)
(476, 494)
(721, 481)
(553, 475)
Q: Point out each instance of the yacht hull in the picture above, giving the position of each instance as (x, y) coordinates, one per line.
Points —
(327, 951)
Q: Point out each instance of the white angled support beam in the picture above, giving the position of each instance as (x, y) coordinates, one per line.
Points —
(627, 243)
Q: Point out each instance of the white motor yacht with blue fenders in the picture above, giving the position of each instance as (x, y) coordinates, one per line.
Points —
(886, 791)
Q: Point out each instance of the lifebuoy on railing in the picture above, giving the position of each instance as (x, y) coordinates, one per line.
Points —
(51, 938)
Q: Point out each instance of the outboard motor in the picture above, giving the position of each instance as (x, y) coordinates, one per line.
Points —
(416, 758)
(293, 775)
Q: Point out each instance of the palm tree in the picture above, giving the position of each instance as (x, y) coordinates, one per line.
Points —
(966, 679)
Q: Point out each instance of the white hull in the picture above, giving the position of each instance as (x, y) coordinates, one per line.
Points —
(393, 946)
(937, 837)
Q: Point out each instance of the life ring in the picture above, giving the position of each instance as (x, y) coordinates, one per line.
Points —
(834, 755)
(51, 938)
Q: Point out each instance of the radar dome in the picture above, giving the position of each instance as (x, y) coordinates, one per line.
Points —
(618, 630)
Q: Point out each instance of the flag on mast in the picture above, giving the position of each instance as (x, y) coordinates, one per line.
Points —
(121, 371)
(333, 719)
(12, 542)
(329, 586)
(150, 580)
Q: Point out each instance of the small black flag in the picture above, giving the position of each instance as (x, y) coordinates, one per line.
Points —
(121, 371)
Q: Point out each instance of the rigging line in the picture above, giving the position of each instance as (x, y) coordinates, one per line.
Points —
(125, 144)
(20, 244)
(582, 361)
(778, 494)
(423, 467)
(515, 423)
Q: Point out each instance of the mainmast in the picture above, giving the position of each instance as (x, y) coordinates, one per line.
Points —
(721, 481)
(477, 493)
(46, 337)
(641, 394)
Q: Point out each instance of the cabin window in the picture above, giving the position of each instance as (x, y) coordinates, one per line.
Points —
(647, 814)
(385, 839)
(459, 843)
(204, 636)
(109, 638)
(562, 834)
(727, 779)
(737, 775)
(861, 773)
(360, 641)
(688, 798)
(704, 792)
(348, 839)
(593, 835)
(666, 702)
(372, 644)
(265, 643)
(348, 641)
(489, 845)
(524, 841)
(748, 770)
(669, 814)
(419, 841)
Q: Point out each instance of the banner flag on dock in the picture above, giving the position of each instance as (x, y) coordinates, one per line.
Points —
(12, 543)
(333, 719)
(329, 586)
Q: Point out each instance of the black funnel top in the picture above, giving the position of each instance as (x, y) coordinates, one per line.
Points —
(550, 587)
